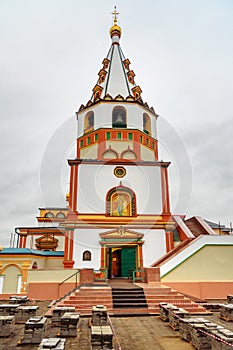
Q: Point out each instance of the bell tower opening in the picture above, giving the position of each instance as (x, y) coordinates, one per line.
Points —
(119, 117)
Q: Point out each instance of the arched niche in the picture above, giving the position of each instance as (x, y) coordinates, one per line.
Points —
(86, 255)
(110, 154)
(119, 119)
(146, 124)
(121, 201)
(89, 122)
(128, 154)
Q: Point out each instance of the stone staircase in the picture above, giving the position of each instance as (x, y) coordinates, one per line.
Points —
(85, 297)
(158, 293)
(127, 299)
(123, 298)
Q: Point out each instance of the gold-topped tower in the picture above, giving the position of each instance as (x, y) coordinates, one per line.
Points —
(115, 29)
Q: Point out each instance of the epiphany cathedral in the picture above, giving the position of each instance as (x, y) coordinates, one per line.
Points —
(118, 221)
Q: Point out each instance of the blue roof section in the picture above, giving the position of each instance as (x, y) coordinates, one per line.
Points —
(27, 251)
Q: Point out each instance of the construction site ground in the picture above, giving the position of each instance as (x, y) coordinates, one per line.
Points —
(132, 333)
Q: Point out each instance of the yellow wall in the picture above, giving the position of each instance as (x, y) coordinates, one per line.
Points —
(89, 152)
(147, 154)
(211, 263)
(51, 275)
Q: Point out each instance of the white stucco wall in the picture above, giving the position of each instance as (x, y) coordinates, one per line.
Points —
(154, 246)
(94, 181)
(103, 117)
(88, 239)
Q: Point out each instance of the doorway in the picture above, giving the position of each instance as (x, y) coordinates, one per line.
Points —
(121, 262)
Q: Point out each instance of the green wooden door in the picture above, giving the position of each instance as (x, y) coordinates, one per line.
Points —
(128, 261)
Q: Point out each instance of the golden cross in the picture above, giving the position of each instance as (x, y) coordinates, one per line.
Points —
(115, 13)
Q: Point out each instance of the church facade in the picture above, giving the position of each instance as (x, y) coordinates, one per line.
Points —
(118, 218)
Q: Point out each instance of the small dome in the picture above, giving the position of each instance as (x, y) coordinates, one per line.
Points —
(115, 30)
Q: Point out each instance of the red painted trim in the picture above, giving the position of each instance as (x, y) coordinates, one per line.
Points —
(141, 256)
(101, 144)
(71, 243)
(21, 242)
(163, 191)
(102, 259)
(169, 241)
(137, 146)
(71, 185)
(24, 241)
(66, 245)
(167, 192)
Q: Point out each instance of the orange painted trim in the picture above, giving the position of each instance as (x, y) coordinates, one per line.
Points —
(66, 245)
(24, 241)
(156, 150)
(75, 189)
(102, 258)
(167, 192)
(140, 255)
(8, 265)
(21, 242)
(163, 191)
(136, 133)
(169, 241)
(101, 145)
(137, 146)
(71, 186)
(71, 243)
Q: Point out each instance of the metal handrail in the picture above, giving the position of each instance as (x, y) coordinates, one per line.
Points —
(76, 279)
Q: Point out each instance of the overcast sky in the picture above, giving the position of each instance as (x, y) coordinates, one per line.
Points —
(50, 54)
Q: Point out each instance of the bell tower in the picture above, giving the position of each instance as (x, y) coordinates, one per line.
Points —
(119, 199)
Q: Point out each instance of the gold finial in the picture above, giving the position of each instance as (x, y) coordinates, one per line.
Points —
(115, 14)
(115, 29)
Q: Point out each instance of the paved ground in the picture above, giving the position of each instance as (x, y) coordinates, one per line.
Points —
(132, 333)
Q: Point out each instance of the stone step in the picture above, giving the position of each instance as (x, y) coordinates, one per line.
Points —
(128, 306)
(81, 299)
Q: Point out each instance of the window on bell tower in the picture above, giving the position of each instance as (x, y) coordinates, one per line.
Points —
(119, 117)
(89, 122)
(146, 124)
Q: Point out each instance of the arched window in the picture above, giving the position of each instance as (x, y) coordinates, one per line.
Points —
(119, 117)
(49, 215)
(86, 255)
(34, 265)
(89, 122)
(121, 201)
(146, 124)
(60, 215)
